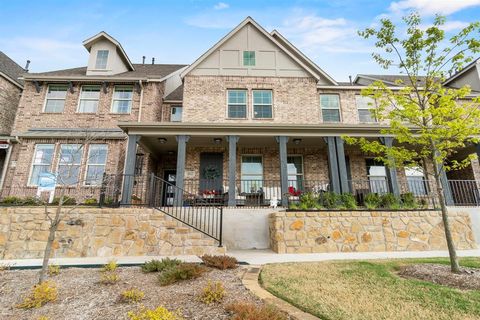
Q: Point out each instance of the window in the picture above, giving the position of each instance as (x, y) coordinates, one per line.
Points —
(377, 176)
(102, 58)
(237, 104)
(364, 107)
(69, 164)
(176, 114)
(139, 164)
(295, 172)
(96, 161)
(55, 98)
(122, 99)
(416, 181)
(89, 99)
(252, 174)
(330, 104)
(262, 104)
(42, 161)
(249, 58)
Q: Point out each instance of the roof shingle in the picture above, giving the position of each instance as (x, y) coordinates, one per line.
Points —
(11, 68)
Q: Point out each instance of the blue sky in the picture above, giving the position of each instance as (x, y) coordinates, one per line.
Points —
(50, 33)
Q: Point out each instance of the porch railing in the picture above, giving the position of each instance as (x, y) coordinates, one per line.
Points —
(465, 192)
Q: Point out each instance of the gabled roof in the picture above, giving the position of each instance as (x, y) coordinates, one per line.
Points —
(302, 56)
(102, 34)
(11, 70)
(389, 78)
(249, 20)
(175, 95)
(459, 73)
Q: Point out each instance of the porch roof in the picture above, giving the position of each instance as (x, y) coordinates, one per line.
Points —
(251, 129)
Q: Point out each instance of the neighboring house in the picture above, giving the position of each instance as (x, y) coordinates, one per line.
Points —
(249, 122)
(10, 90)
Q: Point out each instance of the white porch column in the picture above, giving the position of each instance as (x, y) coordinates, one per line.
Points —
(180, 175)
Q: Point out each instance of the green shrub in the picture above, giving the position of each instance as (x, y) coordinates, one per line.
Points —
(31, 201)
(348, 201)
(409, 201)
(160, 313)
(90, 201)
(309, 200)
(219, 262)
(331, 200)
(183, 271)
(390, 201)
(304, 206)
(67, 201)
(11, 200)
(40, 295)
(293, 206)
(372, 201)
(160, 265)
(212, 293)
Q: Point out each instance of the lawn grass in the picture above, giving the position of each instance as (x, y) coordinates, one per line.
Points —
(369, 290)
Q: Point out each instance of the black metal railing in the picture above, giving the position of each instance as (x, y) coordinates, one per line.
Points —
(465, 192)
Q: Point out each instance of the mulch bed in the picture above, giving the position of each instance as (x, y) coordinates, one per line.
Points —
(467, 279)
(81, 296)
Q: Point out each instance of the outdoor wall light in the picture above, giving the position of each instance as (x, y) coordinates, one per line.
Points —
(217, 140)
(162, 140)
(297, 141)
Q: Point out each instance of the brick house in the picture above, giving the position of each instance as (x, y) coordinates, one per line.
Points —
(250, 121)
(10, 90)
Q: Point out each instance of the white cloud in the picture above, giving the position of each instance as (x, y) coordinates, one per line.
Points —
(431, 7)
(221, 6)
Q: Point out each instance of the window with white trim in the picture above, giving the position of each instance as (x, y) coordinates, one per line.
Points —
(330, 104)
(96, 162)
(89, 96)
(102, 58)
(365, 106)
(295, 171)
(377, 176)
(262, 104)
(249, 58)
(69, 163)
(176, 114)
(122, 99)
(42, 161)
(55, 101)
(416, 181)
(251, 174)
(237, 104)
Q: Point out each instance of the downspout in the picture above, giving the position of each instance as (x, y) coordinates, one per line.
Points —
(141, 102)
(6, 164)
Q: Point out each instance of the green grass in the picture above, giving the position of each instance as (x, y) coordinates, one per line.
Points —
(369, 290)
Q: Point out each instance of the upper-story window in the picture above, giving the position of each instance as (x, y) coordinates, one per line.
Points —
(365, 105)
(262, 104)
(237, 104)
(102, 58)
(330, 104)
(176, 114)
(42, 161)
(89, 97)
(69, 164)
(55, 101)
(249, 58)
(96, 161)
(122, 99)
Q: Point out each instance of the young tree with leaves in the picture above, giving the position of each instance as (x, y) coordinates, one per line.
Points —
(429, 122)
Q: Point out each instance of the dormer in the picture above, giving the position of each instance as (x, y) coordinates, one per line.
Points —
(107, 56)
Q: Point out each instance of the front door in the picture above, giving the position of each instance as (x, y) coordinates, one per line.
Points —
(168, 191)
(211, 173)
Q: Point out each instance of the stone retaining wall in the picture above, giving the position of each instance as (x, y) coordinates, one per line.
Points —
(94, 232)
(344, 231)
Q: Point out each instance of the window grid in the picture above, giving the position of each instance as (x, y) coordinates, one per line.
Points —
(68, 169)
(42, 161)
(237, 104)
(330, 105)
(96, 162)
(89, 98)
(102, 58)
(262, 104)
(364, 107)
(377, 176)
(251, 173)
(55, 101)
(295, 171)
(122, 99)
(249, 58)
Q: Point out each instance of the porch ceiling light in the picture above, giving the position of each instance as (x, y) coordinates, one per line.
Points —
(162, 140)
(297, 141)
(217, 140)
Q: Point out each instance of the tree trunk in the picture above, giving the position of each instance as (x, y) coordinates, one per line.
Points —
(455, 267)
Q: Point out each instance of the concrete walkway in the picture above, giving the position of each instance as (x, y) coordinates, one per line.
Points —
(252, 257)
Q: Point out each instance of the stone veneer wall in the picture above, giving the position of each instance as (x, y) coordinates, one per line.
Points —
(94, 232)
(345, 231)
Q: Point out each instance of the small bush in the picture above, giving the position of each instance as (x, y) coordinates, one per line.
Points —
(212, 293)
(348, 201)
(293, 206)
(53, 270)
(250, 311)
(111, 266)
(219, 262)
(132, 295)
(184, 271)
(409, 201)
(110, 277)
(331, 200)
(11, 200)
(67, 201)
(159, 313)
(90, 201)
(308, 200)
(160, 265)
(390, 201)
(40, 295)
(372, 201)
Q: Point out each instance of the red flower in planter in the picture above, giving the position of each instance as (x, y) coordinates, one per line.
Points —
(292, 191)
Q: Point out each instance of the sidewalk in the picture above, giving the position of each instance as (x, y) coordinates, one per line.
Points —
(252, 257)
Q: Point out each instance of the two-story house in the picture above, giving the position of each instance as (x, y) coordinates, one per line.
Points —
(248, 123)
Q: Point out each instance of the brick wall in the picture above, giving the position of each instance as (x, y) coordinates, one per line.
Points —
(9, 98)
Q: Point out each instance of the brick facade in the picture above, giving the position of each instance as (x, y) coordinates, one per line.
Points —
(9, 97)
